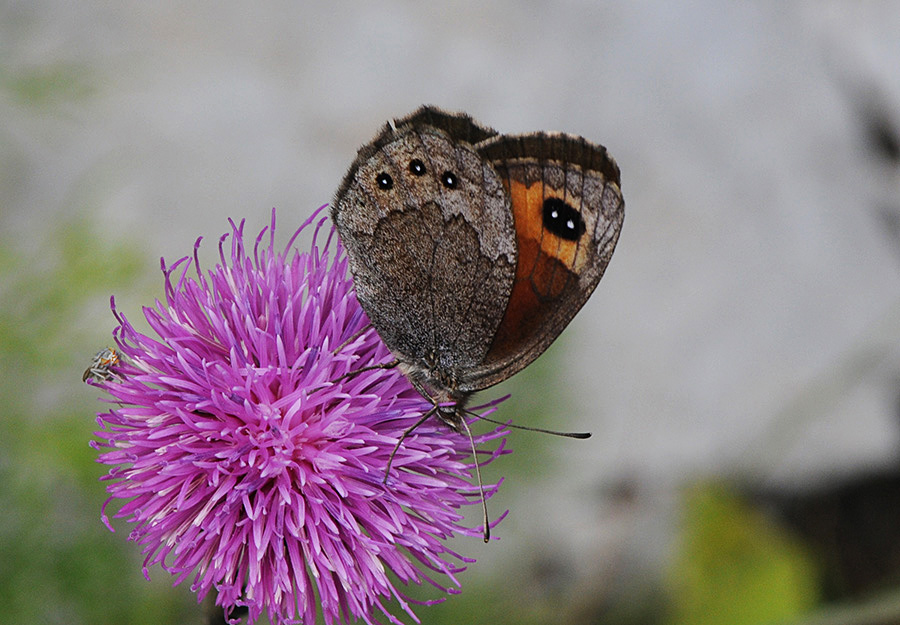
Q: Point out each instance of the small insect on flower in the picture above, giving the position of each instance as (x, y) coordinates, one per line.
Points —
(100, 369)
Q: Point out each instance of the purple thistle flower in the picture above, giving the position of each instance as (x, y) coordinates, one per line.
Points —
(251, 466)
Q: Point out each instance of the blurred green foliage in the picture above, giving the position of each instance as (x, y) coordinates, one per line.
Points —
(45, 85)
(736, 566)
(60, 564)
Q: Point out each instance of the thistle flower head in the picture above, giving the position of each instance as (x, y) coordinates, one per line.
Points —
(248, 463)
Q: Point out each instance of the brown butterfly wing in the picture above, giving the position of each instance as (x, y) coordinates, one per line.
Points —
(433, 263)
(568, 212)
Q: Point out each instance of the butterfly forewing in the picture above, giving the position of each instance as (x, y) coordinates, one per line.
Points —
(431, 244)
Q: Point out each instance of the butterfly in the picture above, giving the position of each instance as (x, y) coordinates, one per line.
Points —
(472, 250)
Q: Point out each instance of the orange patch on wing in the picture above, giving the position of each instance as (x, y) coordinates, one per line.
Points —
(543, 270)
(528, 212)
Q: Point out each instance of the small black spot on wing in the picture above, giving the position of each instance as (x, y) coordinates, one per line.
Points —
(417, 167)
(384, 180)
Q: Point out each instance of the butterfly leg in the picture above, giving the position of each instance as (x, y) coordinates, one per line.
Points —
(402, 438)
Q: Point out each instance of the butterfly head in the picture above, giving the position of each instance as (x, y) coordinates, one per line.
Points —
(441, 387)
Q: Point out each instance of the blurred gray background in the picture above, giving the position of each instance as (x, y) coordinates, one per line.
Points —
(747, 328)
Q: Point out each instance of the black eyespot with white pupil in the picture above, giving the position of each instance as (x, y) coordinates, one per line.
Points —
(417, 167)
(563, 220)
(384, 181)
(449, 180)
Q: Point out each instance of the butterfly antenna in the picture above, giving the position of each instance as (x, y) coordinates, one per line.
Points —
(487, 524)
(581, 435)
(402, 438)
